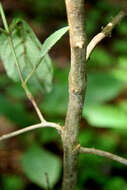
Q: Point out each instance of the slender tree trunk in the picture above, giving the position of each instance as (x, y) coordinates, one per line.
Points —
(77, 83)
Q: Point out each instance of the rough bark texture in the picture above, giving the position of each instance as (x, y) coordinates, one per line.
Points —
(75, 13)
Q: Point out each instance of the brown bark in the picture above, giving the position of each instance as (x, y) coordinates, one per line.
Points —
(77, 83)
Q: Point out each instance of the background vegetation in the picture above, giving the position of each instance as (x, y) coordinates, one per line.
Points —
(24, 159)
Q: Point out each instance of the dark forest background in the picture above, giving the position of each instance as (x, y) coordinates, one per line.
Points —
(104, 122)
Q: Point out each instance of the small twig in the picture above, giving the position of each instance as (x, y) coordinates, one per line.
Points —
(31, 98)
(47, 181)
(105, 32)
(30, 128)
(103, 154)
(37, 108)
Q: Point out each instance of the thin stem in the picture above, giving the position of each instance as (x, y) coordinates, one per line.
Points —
(103, 154)
(47, 181)
(4, 18)
(31, 98)
(105, 32)
(32, 72)
(10, 41)
(30, 128)
(16, 60)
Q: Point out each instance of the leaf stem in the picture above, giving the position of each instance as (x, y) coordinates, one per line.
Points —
(16, 60)
(34, 69)
(31, 98)
(32, 72)
(10, 41)
(4, 18)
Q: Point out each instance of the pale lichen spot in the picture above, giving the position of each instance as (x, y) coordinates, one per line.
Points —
(79, 44)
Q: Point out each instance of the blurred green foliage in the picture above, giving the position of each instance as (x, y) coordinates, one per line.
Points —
(37, 163)
(10, 182)
(104, 123)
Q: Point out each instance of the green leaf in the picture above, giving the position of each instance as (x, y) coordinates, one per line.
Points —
(52, 39)
(106, 116)
(37, 162)
(55, 103)
(102, 87)
(28, 52)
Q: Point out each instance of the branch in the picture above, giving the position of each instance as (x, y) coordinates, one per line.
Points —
(30, 128)
(105, 32)
(103, 154)
(32, 100)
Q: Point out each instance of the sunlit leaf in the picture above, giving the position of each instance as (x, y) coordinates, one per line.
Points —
(52, 39)
(107, 116)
